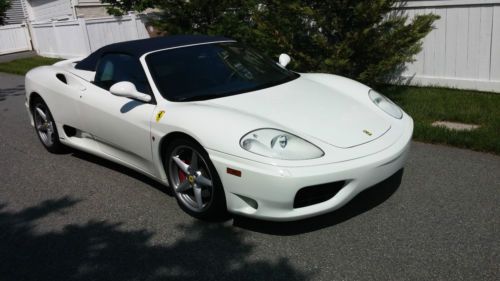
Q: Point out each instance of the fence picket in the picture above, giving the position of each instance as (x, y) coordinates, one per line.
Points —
(465, 44)
(13, 38)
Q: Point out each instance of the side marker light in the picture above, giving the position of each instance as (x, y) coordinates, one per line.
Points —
(234, 172)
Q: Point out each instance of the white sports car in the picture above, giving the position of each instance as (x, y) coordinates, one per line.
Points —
(226, 128)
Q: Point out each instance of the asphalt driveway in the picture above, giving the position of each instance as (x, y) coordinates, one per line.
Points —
(77, 217)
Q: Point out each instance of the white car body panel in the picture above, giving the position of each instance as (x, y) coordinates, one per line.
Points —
(289, 105)
(327, 110)
(120, 126)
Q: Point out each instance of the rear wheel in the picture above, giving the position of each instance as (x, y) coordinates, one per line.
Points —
(194, 180)
(45, 127)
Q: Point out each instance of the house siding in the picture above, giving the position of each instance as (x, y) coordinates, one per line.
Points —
(17, 12)
(44, 10)
(91, 11)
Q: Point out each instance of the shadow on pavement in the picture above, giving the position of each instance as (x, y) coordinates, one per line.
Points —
(119, 168)
(364, 202)
(100, 250)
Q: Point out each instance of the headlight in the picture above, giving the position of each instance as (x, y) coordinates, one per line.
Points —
(280, 145)
(385, 104)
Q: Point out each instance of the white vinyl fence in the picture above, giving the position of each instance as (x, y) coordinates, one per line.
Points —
(14, 38)
(463, 51)
(70, 39)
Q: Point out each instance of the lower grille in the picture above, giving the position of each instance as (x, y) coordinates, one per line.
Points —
(315, 194)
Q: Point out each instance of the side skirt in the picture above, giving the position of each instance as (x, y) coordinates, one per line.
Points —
(84, 142)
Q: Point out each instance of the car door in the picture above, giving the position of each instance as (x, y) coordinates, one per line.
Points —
(120, 125)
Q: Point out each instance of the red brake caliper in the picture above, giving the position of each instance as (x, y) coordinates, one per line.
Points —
(182, 175)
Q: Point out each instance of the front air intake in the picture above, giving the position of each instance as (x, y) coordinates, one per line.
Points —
(315, 194)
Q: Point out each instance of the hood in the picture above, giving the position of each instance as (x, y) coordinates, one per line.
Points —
(312, 109)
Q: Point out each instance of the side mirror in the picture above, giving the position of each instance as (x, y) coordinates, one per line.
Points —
(284, 60)
(128, 90)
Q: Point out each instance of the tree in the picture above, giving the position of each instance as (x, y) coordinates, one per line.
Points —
(4, 6)
(120, 7)
(365, 40)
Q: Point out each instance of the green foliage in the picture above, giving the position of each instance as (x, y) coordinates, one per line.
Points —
(4, 6)
(367, 40)
(121, 7)
(427, 105)
(22, 66)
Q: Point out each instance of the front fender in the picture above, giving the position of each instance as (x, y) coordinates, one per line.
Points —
(214, 127)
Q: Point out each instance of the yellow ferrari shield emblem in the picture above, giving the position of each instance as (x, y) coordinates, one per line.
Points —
(367, 132)
(191, 179)
(159, 115)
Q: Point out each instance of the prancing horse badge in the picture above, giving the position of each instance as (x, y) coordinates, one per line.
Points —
(159, 115)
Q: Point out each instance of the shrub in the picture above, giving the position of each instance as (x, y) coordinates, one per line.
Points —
(4, 6)
(365, 40)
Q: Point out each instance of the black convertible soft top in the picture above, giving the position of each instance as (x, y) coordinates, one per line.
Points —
(137, 48)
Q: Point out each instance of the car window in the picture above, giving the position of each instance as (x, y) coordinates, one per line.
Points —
(114, 68)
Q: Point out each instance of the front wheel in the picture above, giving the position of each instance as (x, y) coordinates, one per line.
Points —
(45, 127)
(194, 180)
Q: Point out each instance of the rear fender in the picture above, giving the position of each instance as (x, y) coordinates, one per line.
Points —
(60, 90)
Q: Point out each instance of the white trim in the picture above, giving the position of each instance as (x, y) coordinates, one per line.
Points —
(107, 19)
(448, 3)
(92, 5)
(451, 82)
(190, 45)
(73, 8)
(11, 26)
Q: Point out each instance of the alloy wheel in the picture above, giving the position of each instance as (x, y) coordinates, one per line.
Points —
(191, 178)
(44, 124)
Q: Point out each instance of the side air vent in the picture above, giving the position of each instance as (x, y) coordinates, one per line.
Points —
(62, 78)
(69, 131)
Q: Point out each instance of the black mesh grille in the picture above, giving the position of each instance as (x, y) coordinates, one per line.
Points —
(315, 194)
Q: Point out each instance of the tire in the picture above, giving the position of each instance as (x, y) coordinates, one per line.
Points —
(197, 188)
(45, 127)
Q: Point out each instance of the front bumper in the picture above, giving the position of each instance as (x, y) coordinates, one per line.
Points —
(273, 188)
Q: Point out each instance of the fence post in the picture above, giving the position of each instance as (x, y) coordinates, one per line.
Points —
(28, 33)
(57, 45)
(85, 34)
(133, 19)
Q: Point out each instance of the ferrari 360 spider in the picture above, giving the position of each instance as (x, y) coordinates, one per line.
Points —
(226, 128)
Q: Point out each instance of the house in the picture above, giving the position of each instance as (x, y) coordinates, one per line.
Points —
(47, 10)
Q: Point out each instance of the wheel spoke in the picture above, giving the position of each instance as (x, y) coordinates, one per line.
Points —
(42, 114)
(183, 166)
(184, 186)
(197, 195)
(194, 161)
(203, 181)
(49, 134)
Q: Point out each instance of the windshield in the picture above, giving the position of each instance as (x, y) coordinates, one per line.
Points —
(213, 70)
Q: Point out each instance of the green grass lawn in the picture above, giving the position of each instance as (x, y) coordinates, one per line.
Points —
(22, 66)
(427, 105)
